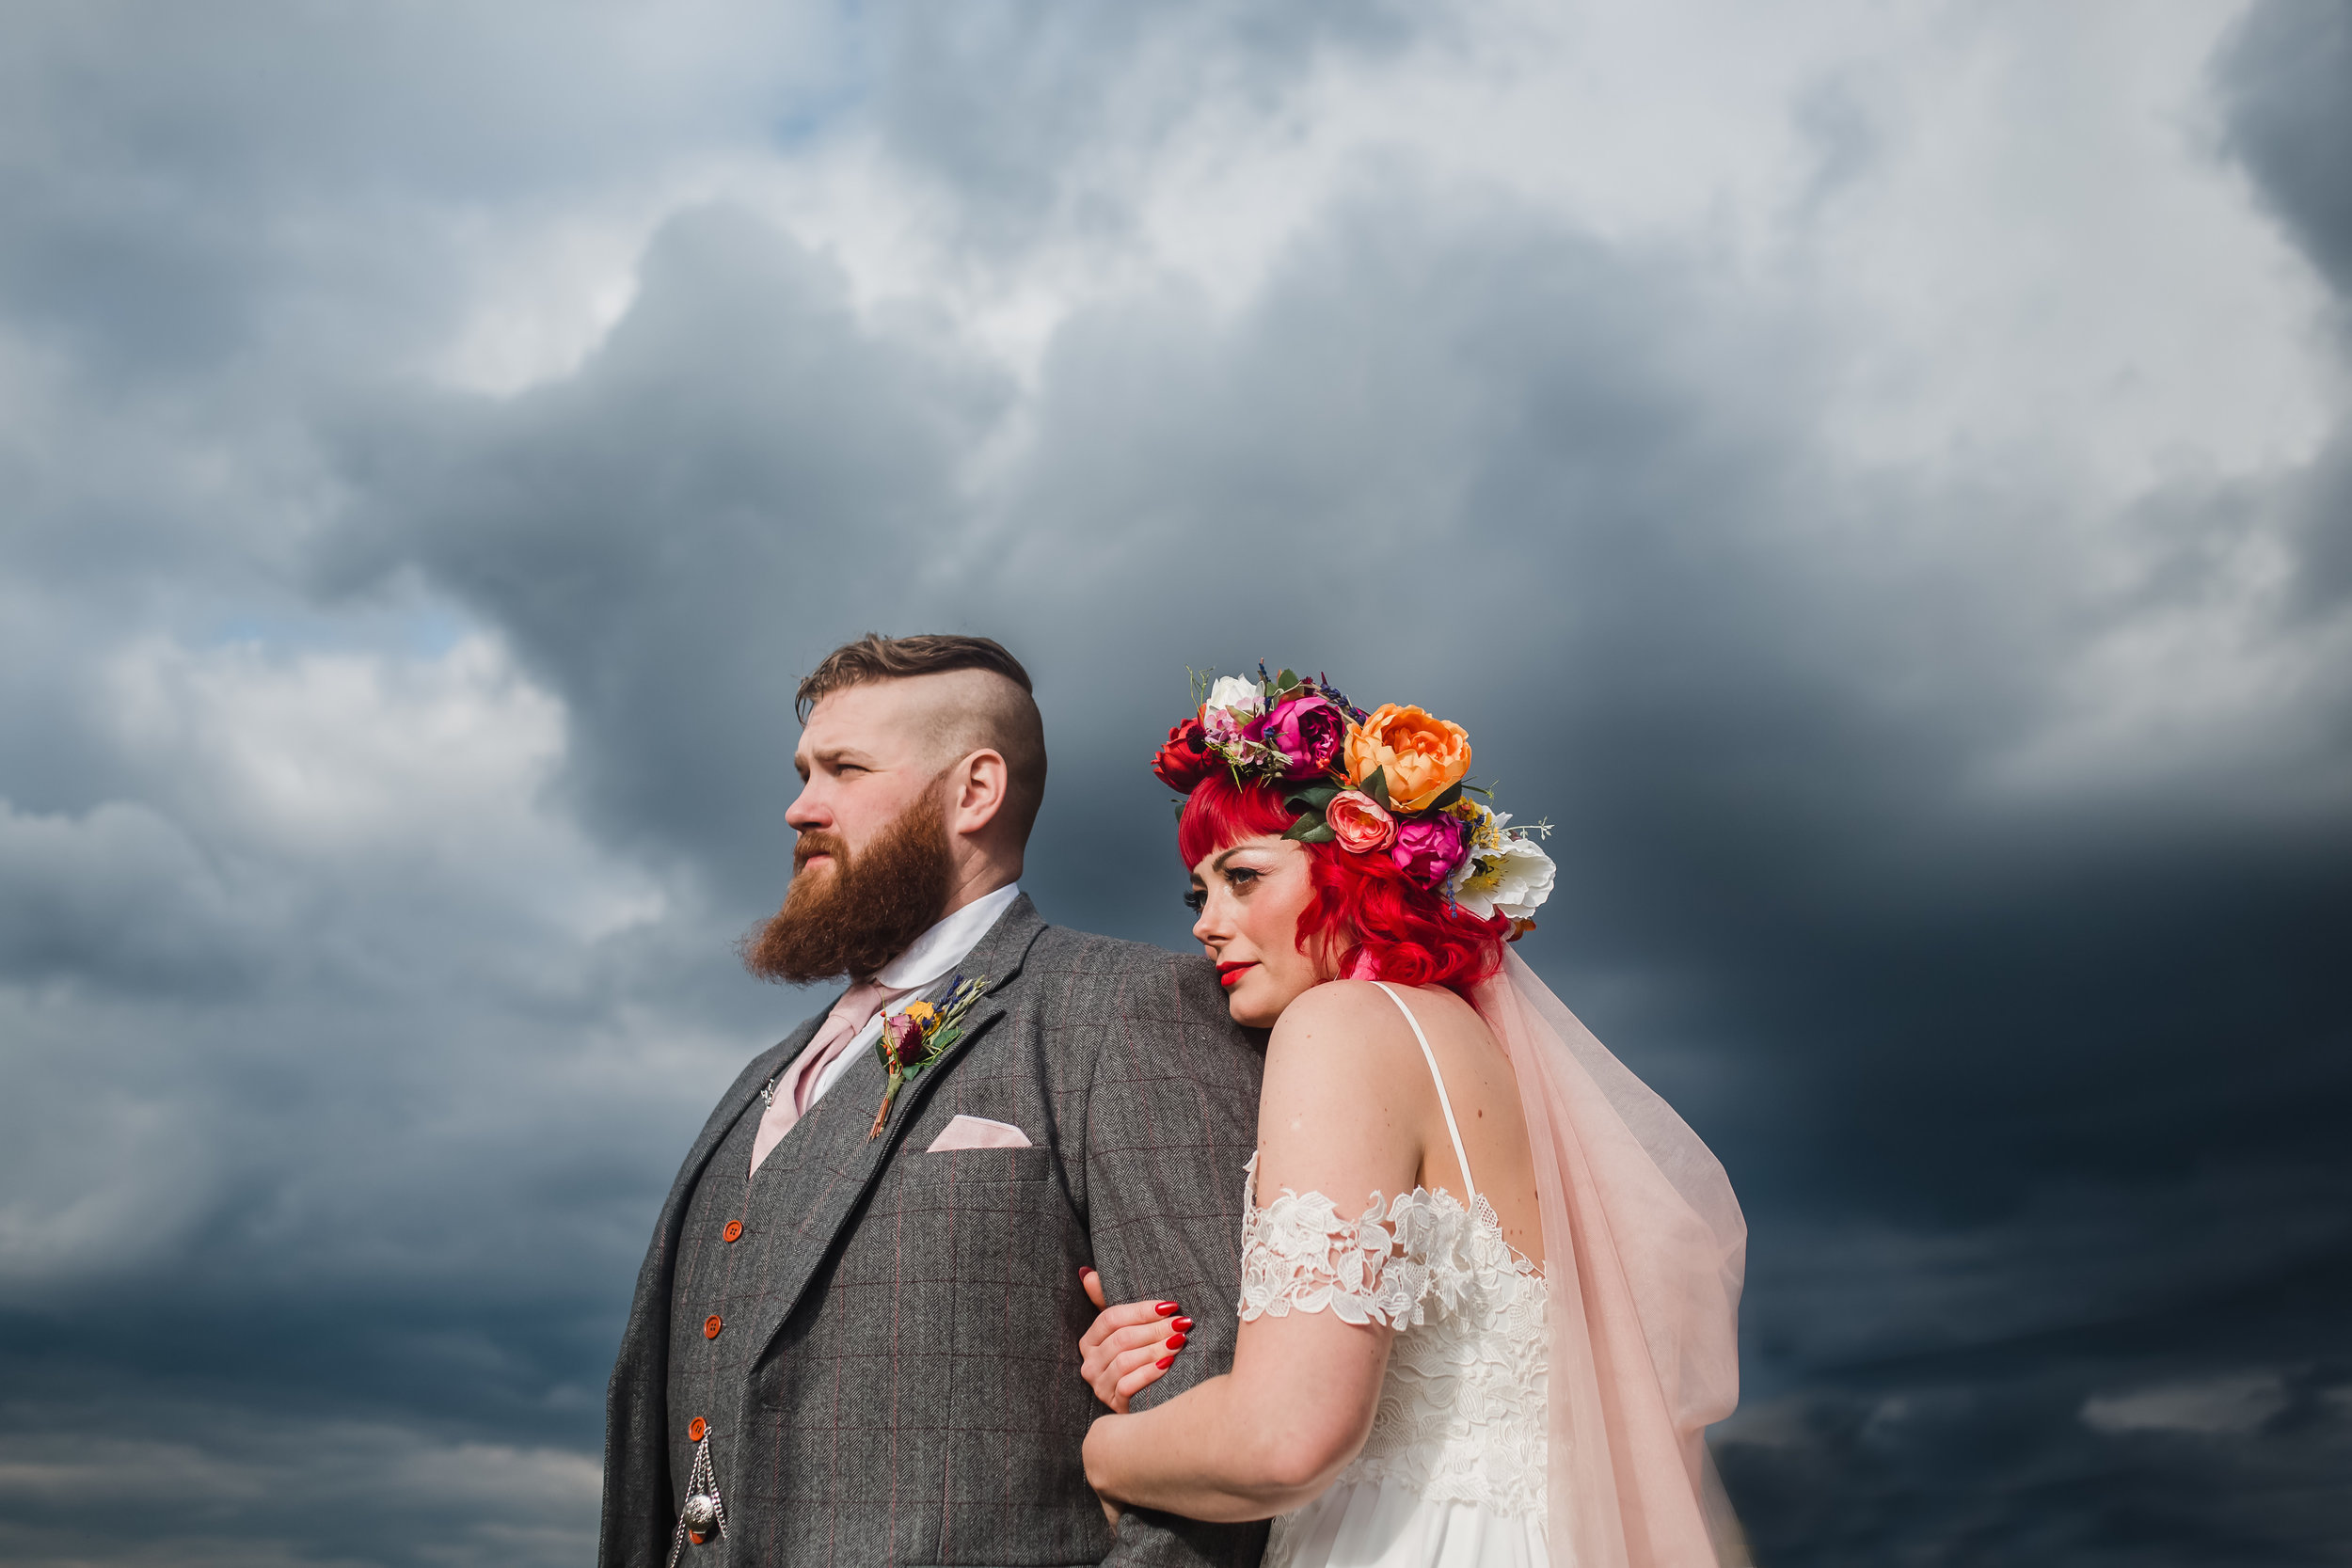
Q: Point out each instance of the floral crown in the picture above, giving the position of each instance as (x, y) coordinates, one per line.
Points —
(1392, 781)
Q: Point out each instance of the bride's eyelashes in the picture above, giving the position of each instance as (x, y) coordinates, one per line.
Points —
(1238, 878)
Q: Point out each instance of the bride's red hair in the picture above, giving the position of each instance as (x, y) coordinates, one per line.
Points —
(1364, 907)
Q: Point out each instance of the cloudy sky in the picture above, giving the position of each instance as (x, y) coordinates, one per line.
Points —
(1878, 478)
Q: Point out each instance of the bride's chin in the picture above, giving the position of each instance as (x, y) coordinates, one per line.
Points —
(1255, 1004)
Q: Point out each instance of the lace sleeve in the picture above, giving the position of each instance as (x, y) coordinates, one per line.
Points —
(1297, 1255)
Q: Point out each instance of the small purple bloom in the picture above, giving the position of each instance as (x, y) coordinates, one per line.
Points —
(1309, 731)
(1428, 849)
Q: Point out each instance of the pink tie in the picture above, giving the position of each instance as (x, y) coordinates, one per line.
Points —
(795, 1087)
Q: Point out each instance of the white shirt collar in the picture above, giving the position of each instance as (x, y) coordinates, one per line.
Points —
(928, 960)
(940, 949)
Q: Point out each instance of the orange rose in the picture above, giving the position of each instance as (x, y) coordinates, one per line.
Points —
(1419, 756)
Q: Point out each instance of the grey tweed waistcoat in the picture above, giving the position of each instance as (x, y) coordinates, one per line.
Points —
(892, 1378)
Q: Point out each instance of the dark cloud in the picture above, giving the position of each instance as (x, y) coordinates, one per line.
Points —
(673, 534)
(2289, 123)
(1028, 116)
(2281, 78)
(397, 761)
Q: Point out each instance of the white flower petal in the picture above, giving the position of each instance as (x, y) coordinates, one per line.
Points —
(1236, 695)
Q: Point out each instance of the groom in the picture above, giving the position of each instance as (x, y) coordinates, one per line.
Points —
(855, 1338)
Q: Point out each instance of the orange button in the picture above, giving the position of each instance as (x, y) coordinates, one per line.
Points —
(694, 1430)
(711, 1326)
(735, 1229)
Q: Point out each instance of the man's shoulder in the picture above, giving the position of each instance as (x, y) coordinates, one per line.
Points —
(1066, 950)
(1068, 941)
(1080, 975)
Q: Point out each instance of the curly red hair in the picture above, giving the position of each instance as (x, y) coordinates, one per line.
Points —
(1364, 906)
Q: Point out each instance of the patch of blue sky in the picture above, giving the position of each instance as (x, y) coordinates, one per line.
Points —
(829, 98)
(408, 622)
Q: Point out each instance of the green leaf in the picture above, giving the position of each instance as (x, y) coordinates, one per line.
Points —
(1312, 796)
(1321, 833)
(1285, 681)
(1446, 800)
(1378, 787)
(1304, 829)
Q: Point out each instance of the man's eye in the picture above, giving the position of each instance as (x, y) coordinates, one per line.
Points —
(1195, 900)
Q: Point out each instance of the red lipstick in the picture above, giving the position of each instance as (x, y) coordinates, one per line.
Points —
(1227, 974)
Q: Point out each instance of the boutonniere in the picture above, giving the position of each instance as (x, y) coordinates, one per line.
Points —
(916, 1036)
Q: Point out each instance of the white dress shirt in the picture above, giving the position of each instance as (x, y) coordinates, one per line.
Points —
(927, 960)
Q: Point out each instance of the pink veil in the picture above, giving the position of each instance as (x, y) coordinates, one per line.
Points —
(1644, 1248)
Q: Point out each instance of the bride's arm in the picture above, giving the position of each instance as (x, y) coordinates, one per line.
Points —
(1338, 1117)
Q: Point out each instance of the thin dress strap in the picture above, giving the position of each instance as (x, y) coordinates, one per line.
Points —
(1453, 1130)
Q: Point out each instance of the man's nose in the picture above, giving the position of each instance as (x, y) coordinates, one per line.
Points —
(807, 811)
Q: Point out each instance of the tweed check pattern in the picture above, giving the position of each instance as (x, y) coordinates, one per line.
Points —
(895, 1379)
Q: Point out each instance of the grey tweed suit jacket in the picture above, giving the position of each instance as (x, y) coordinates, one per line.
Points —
(897, 1380)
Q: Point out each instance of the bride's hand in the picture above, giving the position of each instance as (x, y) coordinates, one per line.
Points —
(1129, 1346)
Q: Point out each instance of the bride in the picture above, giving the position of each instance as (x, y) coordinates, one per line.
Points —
(1489, 1280)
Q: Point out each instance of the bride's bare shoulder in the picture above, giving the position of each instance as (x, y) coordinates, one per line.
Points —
(1342, 1023)
(1335, 1003)
(1339, 1110)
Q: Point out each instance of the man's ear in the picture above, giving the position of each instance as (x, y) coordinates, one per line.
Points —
(982, 780)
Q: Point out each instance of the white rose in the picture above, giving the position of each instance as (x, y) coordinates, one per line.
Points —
(1236, 695)
(1516, 879)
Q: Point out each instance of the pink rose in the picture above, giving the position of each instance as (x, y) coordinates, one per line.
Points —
(1427, 850)
(1358, 823)
(1310, 732)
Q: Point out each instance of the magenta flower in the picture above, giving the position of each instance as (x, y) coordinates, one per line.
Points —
(1310, 732)
(1428, 850)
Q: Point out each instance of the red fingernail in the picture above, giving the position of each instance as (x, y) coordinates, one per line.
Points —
(1181, 1325)
(1164, 1362)
(1083, 1272)
(1174, 1341)
(1166, 1308)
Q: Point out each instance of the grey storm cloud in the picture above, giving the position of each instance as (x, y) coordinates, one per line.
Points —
(655, 532)
(2279, 78)
(389, 762)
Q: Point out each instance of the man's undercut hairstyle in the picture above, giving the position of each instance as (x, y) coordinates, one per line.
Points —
(1006, 719)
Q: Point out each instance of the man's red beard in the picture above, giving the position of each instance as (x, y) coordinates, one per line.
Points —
(862, 911)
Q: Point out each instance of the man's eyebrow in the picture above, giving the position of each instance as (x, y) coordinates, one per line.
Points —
(840, 754)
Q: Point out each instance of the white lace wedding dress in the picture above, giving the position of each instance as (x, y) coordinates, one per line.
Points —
(1452, 1475)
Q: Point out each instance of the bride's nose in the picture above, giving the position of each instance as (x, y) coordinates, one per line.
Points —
(1212, 928)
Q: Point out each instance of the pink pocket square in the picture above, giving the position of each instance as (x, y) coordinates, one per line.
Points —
(977, 1133)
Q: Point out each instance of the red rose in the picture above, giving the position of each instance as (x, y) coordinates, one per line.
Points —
(1185, 759)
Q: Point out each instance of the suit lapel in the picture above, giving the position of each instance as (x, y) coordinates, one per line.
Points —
(835, 1163)
(738, 1098)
